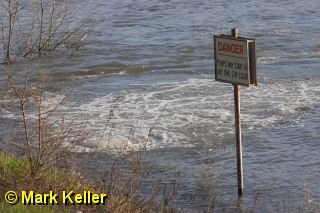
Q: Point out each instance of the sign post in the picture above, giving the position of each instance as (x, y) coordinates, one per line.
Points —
(235, 63)
(236, 92)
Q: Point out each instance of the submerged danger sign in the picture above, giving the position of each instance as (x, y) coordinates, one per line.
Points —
(233, 63)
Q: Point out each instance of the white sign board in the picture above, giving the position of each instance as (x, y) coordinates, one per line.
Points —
(232, 64)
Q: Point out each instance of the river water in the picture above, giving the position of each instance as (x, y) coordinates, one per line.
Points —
(151, 63)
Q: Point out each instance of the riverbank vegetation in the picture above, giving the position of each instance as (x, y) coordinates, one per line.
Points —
(15, 176)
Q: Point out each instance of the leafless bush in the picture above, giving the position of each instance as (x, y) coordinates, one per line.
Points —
(9, 11)
(42, 133)
(32, 28)
(51, 28)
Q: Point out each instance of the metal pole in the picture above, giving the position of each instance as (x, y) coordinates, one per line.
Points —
(236, 89)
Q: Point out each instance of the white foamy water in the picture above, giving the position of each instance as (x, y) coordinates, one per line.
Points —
(183, 114)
